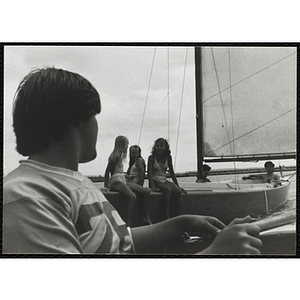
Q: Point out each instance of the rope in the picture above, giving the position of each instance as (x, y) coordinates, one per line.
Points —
(147, 96)
(182, 92)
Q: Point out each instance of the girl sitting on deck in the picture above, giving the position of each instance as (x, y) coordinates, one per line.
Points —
(136, 177)
(117, 181)
(159, 162)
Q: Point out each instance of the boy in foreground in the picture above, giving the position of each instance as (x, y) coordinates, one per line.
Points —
(51, 208)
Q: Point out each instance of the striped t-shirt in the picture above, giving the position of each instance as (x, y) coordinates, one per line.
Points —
(54, 210)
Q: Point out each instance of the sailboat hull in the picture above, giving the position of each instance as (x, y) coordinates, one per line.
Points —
(220, 200)
(226, 203)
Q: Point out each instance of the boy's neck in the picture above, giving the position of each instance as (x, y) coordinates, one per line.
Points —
(55, 160)
(61, 154)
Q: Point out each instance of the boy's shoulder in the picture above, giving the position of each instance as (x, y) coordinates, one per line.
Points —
(37, 181)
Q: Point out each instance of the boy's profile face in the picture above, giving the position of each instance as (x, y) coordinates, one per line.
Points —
(88, 134)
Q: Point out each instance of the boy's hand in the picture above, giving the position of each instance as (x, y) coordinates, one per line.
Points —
(239, 237)
(199, 225)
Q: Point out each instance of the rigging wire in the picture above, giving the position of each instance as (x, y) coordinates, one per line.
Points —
(231, 142)
(231, 112)
(221, 98)
(146, 100)
(246, 78)
(231, 101)
(262, 125)
(165, 97)
(180, 111)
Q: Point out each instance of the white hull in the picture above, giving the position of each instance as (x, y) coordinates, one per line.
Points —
(215, 199)
(225, 202)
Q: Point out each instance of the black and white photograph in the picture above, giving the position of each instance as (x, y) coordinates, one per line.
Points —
(150, 149)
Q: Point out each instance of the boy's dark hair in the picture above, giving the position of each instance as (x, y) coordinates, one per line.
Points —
(269, 163)
(47, 102)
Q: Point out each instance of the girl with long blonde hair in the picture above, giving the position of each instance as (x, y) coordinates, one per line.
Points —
(114, 178)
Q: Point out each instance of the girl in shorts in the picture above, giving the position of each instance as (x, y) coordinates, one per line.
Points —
(114, 178)
(136, 176)
(159, 162)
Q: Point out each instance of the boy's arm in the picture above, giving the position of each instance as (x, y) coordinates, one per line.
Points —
(148, 239)
(240, 237)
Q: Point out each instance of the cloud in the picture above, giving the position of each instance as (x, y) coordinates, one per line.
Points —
(122, 77)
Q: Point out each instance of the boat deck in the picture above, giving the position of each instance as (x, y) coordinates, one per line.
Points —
(225, 187)
(214, 199)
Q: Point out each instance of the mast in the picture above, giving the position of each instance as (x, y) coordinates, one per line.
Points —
(199, 112)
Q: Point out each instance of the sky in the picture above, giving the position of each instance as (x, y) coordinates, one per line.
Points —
(122, 77)
(146, 93)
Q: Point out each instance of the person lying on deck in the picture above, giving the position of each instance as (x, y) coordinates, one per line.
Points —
(268, 177)
(51, 208)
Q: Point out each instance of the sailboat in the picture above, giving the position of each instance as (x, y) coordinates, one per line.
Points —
(251, 116)
(228, 129)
